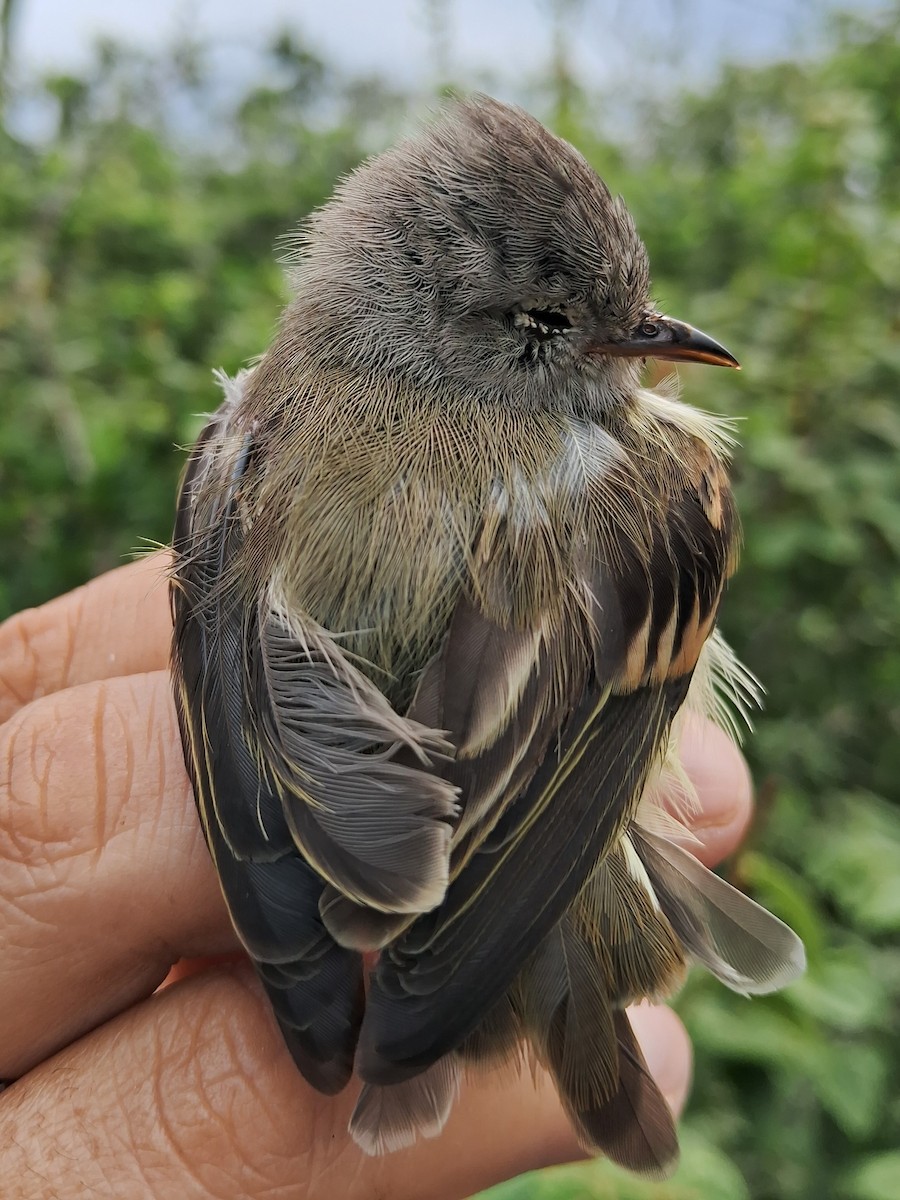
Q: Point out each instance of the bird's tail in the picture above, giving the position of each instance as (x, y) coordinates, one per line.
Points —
(649, 909)
(390, 1117)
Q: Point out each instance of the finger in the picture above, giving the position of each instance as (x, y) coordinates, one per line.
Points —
(721, 778)
(667, 1049)
(663, 1038)
(191, 1094)
(118, 624)
(107, 876)
(106, 880)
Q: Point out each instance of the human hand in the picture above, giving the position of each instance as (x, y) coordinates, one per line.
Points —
(125, 1087)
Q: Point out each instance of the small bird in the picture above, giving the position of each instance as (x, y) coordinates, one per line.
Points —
(446, 580)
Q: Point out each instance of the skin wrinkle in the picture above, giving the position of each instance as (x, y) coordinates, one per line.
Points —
(42, 774)
(9, 828)
(146, 1145)
(319, 1161)
(229, 1109)
(73, 625)
(34, 921)
(24, 824)
(23, 1167)
(20, 656)
(128, 782)
(163, 1125)
(33, 821)
(218, 1088)
(158, 731)
(33, 643)
(64, 872)
(100, 774)
(22, 638)
(29, 788)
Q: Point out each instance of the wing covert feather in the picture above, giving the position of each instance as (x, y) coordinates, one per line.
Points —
(644, 620)
(372, 820)
(430, 987)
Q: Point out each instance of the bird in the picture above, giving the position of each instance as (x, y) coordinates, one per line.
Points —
(445, 588)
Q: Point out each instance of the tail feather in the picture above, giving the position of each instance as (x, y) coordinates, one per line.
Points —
(647, 906)
(497, 1040)
(736, 939)
(618, 916)
(586, 1043)
(392, 1117)
(564, 1001)
(635, 1127)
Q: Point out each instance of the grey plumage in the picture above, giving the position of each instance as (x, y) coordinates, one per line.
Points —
(445, 578)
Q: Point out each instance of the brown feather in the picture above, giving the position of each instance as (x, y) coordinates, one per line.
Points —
(428, 990)
(635, 1127)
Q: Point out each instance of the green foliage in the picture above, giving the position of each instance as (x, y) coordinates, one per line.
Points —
(706, 1174)
(129, 267)
(131, 263)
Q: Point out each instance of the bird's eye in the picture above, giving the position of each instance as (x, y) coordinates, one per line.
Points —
(648, 329)
(542, 323)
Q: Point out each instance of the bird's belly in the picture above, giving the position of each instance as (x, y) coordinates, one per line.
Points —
(384, 582)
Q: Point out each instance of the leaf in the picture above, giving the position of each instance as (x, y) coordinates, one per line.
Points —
(705, 1173)
(877, 1178)
(851, 1082)
(855, 857)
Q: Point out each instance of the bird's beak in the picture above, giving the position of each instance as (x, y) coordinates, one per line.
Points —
(662, 337)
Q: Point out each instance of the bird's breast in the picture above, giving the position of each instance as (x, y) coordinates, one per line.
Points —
(386, 532)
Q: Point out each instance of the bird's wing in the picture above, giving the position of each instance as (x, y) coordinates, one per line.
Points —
(647, 616)
(302, 772)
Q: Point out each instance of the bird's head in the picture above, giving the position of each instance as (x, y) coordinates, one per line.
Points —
(487, 256)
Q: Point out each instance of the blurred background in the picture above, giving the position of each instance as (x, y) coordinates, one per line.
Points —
(152, 155)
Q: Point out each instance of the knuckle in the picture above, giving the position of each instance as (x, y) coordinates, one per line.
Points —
(18, 661)
(36, 650)
(208, 1099)
(57, 781)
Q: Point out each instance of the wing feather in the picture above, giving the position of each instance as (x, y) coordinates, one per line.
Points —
(271, 894)
(372, 820)
(431, 986)
(280, 732)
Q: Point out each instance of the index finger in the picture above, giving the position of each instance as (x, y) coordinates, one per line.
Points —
(118, 624)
